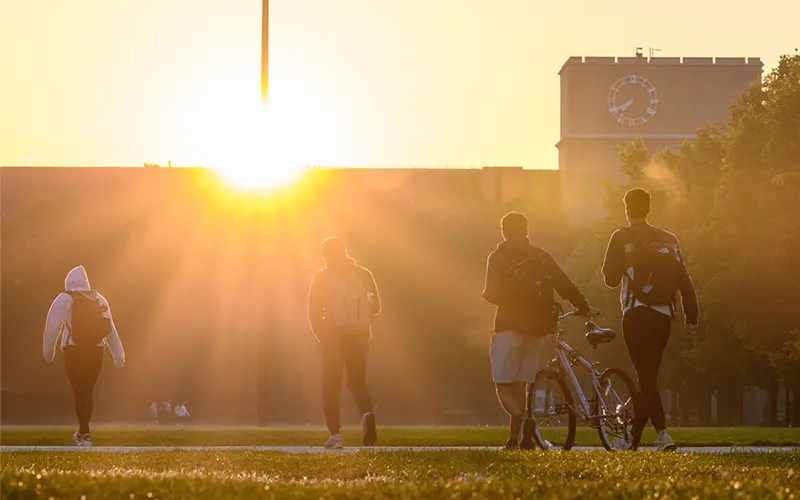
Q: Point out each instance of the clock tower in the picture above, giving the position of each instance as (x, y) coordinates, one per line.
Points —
(606, 101)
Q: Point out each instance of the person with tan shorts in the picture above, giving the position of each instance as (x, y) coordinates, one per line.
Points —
(520, 281)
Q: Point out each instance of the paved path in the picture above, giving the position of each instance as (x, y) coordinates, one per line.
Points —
(319, 449)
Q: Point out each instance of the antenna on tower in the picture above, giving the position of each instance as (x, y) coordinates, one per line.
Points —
(653, 52)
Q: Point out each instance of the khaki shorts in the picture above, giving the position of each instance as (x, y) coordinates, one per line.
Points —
(514, 357)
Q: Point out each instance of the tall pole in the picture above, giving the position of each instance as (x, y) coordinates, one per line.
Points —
(264, 49)
(262, 387)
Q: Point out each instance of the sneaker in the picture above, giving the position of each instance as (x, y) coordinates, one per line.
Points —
(622, 444)
(511, 444)
(528, 428)
(665, 442)
(368, 433)
(82, 440)
(334, 442)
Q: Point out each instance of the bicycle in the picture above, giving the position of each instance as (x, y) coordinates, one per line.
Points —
(608, 411)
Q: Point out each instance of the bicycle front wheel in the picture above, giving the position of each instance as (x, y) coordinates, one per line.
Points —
(614, 409)
(550, 406)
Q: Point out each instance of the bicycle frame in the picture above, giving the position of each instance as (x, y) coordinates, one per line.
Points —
(567, 357)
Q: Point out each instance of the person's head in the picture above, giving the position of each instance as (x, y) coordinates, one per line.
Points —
(333, 250)
(514, 225)
(637, 204)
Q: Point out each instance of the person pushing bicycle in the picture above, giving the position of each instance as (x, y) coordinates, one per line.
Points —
(520, 280)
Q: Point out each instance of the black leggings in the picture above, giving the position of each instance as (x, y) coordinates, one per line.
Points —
(83, 366)
(344, 353)
(646, 335)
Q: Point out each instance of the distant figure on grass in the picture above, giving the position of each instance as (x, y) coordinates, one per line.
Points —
(168, 415)
(520, 279)
(181, 413)
(647, 261)
(154, 413)
(342, 301)
(81, 318)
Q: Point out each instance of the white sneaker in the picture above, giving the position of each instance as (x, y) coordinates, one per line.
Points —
(334, 442)
(665, 442)
(84, 440)
(621, 444)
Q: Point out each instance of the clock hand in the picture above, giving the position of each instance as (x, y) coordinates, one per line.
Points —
(626, 105)
(623, 106)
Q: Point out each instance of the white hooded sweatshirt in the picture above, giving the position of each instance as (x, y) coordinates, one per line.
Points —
(59, 320)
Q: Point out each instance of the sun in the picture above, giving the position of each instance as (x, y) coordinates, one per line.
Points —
(259, 153)
(259, 156)
(259, 176)
(252, 146)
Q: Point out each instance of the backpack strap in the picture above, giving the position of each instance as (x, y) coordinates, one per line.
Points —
(638, 238)
(539, 254)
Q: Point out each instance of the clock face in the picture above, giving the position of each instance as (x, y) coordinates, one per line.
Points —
(632, 100)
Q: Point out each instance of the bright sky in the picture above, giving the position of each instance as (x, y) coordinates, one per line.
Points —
(353, 82)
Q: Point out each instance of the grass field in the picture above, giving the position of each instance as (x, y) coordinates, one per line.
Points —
(388, 436)
(400, 474)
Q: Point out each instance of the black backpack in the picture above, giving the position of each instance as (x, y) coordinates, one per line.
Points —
(531, 289)
(89, 326)
(657, 269)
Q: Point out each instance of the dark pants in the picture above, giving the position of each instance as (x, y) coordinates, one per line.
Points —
(646, 335)
(83, 366)
(339, 353)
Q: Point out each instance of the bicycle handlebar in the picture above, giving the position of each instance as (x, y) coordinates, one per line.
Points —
(575, 312)
(568, 314)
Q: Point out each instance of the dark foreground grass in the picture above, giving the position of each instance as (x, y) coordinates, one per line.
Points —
(400, 474)
(388, 436)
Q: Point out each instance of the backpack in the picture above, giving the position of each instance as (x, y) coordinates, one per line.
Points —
(88, 324)
(531, 287)
(348, 306)
(657, 268)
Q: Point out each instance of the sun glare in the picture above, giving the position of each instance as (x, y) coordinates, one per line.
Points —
(252, 146)
(258, 176)
(259, 154)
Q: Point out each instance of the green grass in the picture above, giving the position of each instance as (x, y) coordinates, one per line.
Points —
(388, 436)
(400, 474)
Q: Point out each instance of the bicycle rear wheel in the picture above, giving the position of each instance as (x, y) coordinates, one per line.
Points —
(615, 416)
(550, 406)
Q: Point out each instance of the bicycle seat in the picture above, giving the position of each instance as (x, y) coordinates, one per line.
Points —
(597, 335)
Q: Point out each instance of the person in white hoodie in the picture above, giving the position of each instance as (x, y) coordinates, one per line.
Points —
(83, 358)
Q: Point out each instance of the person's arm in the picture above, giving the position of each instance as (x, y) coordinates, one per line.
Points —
(113, 341)
(57, 316)
(493, 291)
(691, 308)
(614, 262)
(316, 306)
(564, 286)
(373, 288)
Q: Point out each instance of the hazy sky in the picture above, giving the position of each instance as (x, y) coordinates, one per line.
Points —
(354, 82)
